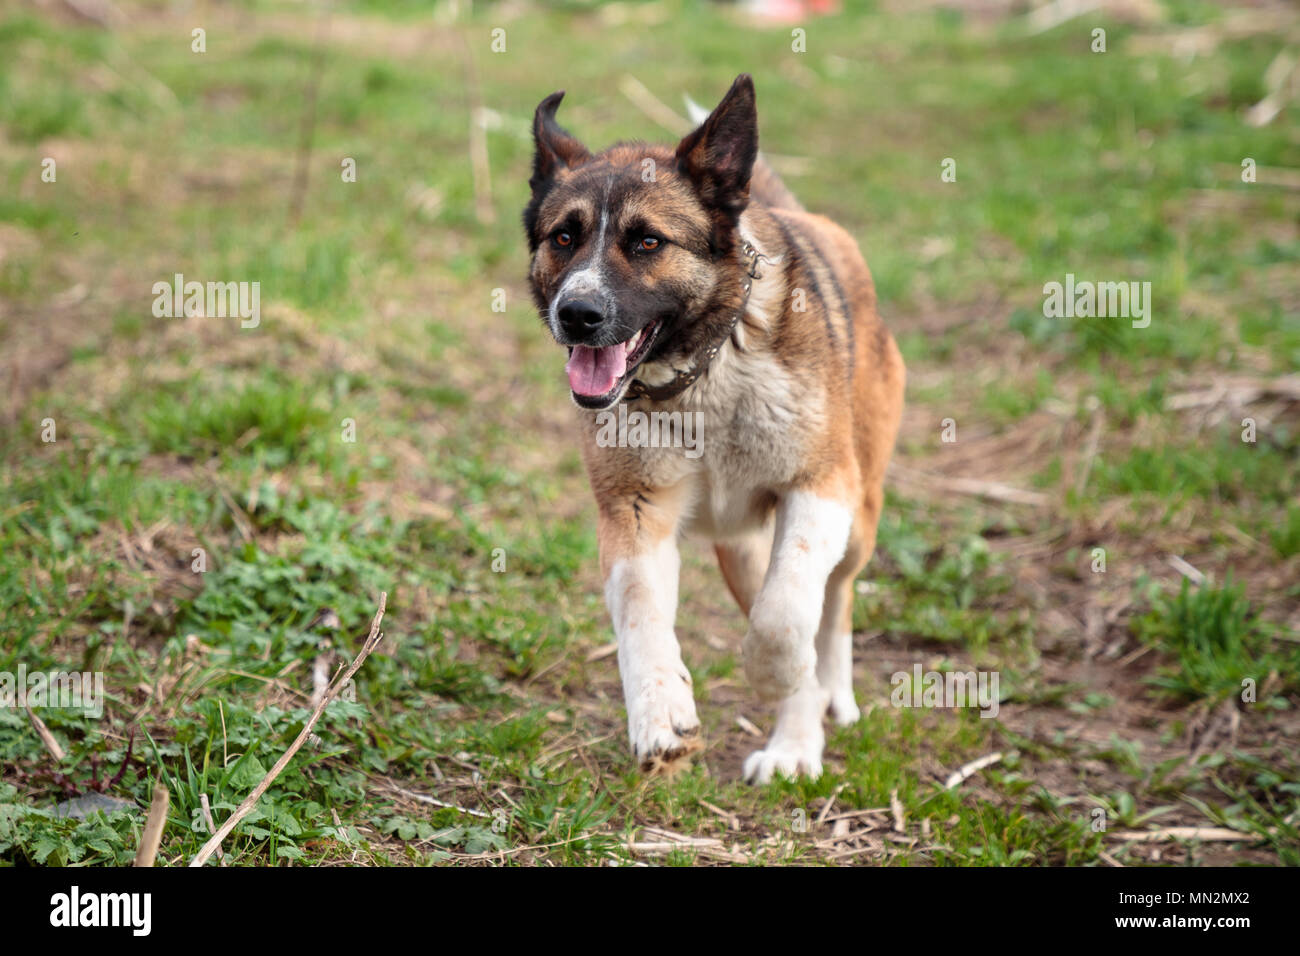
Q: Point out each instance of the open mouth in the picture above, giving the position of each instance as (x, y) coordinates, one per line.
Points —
(597, 374)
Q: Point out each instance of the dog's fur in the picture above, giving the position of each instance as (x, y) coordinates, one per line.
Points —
(802, 409)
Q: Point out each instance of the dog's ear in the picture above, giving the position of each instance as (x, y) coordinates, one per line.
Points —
(719, 156)
(555, 147)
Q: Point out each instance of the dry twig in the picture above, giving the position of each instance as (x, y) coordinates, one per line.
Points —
(210, 824)
(972, 768)
(435, 802)
(153, 827)
(652, 106)
(250, 801)
(990, 490)
(1219, 834)
(47, 738)
(896, 810)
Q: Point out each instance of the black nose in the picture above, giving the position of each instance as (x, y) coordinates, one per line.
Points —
(578, 317)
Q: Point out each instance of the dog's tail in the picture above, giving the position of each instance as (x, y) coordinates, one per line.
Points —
(764, 184)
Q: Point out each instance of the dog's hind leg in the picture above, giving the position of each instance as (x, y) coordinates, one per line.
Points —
(835, 635)
(743, 561)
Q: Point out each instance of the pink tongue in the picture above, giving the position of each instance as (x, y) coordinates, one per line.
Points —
(594, 372)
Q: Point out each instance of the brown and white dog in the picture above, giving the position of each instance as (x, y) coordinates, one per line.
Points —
(692, 281)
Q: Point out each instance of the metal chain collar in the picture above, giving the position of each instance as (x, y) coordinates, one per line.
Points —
(685, 378)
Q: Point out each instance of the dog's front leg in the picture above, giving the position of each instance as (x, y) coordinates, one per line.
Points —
(780, 649)
(638, 545)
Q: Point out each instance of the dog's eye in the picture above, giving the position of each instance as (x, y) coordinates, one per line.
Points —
(563, 239)
(649, 244)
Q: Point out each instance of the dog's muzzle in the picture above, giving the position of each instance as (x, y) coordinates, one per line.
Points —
(579, 318)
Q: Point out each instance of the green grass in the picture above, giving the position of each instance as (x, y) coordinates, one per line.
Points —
(463, 496)
(1219, 647)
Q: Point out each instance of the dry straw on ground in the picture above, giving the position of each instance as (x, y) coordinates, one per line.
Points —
(337, 685)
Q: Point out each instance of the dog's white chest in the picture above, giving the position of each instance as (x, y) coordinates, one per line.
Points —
(753, 438)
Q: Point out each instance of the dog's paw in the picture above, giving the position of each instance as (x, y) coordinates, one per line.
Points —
(843, 708)
(783, 759)
(670, 762)
(661, 722)
(777, 660)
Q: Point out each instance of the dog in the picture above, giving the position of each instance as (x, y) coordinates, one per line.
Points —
(691, 281)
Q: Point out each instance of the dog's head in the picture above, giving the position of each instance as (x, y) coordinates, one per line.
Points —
(633, 248)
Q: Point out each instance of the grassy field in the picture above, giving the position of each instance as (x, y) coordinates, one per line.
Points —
(1146, 564)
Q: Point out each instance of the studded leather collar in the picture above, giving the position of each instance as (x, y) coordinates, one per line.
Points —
(685, 378)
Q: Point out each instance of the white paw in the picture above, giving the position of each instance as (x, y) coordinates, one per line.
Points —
(783, 759)
(661, 721)
(844, 709)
